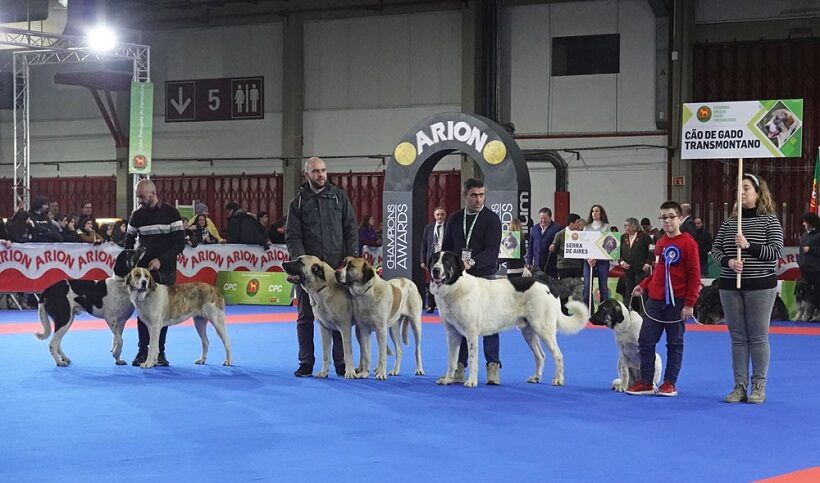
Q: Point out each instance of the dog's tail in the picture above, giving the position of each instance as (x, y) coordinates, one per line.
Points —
(577, 321)
(41, 309)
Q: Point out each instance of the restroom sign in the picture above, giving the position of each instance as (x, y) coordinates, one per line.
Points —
(224, 99)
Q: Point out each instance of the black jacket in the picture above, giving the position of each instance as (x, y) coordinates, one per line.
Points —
(245, 229)
(160, 232)
(322, 224)
(809, 262)
(427, 242)
(44, 230)
(485, 240)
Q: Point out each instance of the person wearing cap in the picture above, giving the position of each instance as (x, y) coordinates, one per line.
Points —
(202, 209)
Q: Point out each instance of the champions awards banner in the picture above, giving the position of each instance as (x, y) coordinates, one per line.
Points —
(33, 267)
(748, 129)
(591, 245)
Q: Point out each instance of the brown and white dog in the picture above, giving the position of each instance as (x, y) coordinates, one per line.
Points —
(380, 305)
(331, 306)
(163, 305)
(781, 125)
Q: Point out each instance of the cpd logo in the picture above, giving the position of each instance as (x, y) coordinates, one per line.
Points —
(704, 113)
(252, 288)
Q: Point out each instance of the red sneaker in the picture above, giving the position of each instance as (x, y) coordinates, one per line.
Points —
(641, 389)
(667, 389)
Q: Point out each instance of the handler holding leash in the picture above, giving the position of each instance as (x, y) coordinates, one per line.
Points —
(162, 233)
(320, 223)
(673, 289)
(475, 234)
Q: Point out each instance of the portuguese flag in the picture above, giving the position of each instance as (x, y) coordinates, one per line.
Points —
(814, 184)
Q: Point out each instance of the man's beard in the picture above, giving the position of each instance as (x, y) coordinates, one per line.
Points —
(315, 186)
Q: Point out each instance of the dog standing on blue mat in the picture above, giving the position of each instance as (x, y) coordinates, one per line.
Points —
(626, 325)
(105, 299)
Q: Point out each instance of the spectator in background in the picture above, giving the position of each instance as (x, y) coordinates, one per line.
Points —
(202, 209)
(264, 220)
(69, 231)
(597, 221)
(431, 240)
(636, 259)
(20, 226)
(107, 232)
(276, 234)
(688, 224)
(42, 229)
(538, 257)
(119, 232)
(88, 234)
(704, 239)
(53, 211)
(567, 267)
(243, 227)
(646, 225)
(86, 212)
(808, 255)
(367, 233)
(199, 233)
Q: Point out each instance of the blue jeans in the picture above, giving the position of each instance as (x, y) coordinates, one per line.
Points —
(747, 315)
(601, 270)
(651, 332)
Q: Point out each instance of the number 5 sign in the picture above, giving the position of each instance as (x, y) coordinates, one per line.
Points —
(215, 99)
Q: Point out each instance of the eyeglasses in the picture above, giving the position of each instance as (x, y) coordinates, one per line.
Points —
(667, 218)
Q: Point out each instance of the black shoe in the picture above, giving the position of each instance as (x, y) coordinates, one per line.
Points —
(162, 361)
(429, 309)
(304, 370)
(340, 370)
(141, 357)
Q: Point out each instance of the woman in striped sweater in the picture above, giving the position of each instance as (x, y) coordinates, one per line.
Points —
(748, 309)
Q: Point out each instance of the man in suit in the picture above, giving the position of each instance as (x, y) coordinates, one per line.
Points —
(704, 239)
(636, 258)
(687, 225)
(541, 237)
(431, 241)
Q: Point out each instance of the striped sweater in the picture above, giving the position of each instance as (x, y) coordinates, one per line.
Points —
(765, 237)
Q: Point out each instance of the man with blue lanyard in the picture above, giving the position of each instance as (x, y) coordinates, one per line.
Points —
(475, 234)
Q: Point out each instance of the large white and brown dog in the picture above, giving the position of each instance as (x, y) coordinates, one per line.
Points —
(105, 299)
(626, 325)
(473, 307)
(331, 304)
(380, 306)
(162, 305)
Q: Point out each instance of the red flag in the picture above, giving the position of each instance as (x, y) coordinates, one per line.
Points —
(814, 184)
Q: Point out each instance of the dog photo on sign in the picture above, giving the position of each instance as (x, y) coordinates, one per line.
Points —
(779, 124)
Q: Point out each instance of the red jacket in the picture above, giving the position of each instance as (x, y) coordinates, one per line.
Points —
(684, 272)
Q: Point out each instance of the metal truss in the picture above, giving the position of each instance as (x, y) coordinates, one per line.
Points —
(42, 49)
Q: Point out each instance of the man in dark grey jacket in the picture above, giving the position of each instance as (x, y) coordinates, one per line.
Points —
(320, 223)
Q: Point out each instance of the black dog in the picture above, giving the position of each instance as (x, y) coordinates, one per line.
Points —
(563, 288)
(804, 300)
(709, 310)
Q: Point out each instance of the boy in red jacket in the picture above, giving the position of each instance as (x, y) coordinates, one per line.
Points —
(673, 289)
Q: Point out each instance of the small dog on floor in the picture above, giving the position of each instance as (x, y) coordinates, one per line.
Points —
(804, 301)
(626, 325)
(162, 305)
(709, 309)
(105, 299)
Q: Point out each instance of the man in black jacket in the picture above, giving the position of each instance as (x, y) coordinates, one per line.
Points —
(321, 223)
(161, 232)
(43, 230)
(431, 241)
(244, 227)
(474, 234)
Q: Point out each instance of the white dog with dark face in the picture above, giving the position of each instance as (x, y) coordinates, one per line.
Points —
(162, 305)
(473, 307)
(380, 306)
(626, 325)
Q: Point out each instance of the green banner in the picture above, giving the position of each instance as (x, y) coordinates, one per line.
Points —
(142, 124)
(255, 288)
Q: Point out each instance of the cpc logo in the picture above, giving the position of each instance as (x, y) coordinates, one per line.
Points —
(252, 288)
(704, 113)
(230, 287)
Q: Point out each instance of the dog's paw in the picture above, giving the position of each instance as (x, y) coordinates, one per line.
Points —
(66, 360)
(200, 361)
(63, 363)
(444, 380)
(394, 372)
(362, 374)
(471, 383)
(147, 365)
(381, 375)
(534, 379)
(321, 374)
(419, 372)
(120, 362)
(227, 362)
(350, 374)
(558, 381)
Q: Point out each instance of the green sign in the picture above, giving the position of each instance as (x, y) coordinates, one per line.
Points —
(142, 124)
(255, 288)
